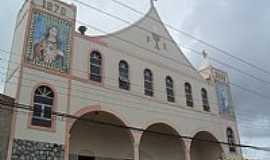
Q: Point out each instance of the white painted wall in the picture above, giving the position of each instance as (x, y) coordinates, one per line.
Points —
(30, 80)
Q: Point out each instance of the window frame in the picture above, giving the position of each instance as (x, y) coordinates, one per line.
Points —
(148, 83)
(38, 122)
(231, 139)
(170, 90)
(123, 81)
(188, 93)
(205, 100)
(93, 76)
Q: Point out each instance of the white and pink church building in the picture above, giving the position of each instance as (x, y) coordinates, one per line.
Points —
(137, 77)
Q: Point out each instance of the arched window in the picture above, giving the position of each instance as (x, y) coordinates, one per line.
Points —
(231, 140)
(205, 102)
(43, 102)
(123, 75)
(188, 92)
(169, 89)
(95, 66)
(148, 83)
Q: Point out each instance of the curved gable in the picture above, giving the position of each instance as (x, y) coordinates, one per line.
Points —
(149, 39)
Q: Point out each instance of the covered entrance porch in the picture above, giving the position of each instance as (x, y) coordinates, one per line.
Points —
(96, 136)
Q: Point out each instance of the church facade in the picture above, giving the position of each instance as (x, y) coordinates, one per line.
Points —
(131, 94)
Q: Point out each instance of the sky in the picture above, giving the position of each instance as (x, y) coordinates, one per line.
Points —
(240, 27)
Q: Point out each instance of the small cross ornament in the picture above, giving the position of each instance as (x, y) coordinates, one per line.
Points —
(152, 2)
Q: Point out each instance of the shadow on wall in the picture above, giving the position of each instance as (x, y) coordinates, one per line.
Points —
(159, 147)
(202, 150)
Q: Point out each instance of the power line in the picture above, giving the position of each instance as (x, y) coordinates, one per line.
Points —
(199, 53)
(138, 85)
(235, 85)
(195, 38)
(99, 10)
(115, 89)
(115, 79)
(116, 104)
(229, 66)
(248, 90)
(136, 94)
(117, 17)
(159, 90)
(242, 118)
(120, 104)
(69, 116)
(25, 109)
(178, 62)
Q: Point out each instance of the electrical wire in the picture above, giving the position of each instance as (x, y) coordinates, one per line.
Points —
(69, 116)
(139, 86)
(95, 93)
(181, 95)
(249, 90)
(266, 81)
(198, 79)
(193, 37)
(232, 84)
(235, 85)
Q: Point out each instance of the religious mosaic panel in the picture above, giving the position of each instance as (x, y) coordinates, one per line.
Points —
(224, 98)
(49, 42)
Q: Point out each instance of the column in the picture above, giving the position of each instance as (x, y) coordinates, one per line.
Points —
(136, 144)
(187, 149)
(187, 154)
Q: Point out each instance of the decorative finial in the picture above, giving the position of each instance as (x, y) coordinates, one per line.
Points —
(152, 2)
(205, 62)
(205, 55)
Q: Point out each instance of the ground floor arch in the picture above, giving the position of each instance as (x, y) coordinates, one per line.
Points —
(154, 146)
(203, 147)
(100, 141)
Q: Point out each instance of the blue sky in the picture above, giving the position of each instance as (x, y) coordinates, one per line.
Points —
(240, 27)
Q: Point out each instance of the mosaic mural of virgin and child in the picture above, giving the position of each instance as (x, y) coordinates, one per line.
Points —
(47, 49)
(50, 44)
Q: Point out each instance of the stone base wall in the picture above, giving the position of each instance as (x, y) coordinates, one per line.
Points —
(32, 150)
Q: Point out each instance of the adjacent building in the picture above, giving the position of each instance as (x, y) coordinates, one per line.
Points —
(6, 111)
(132, 93)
